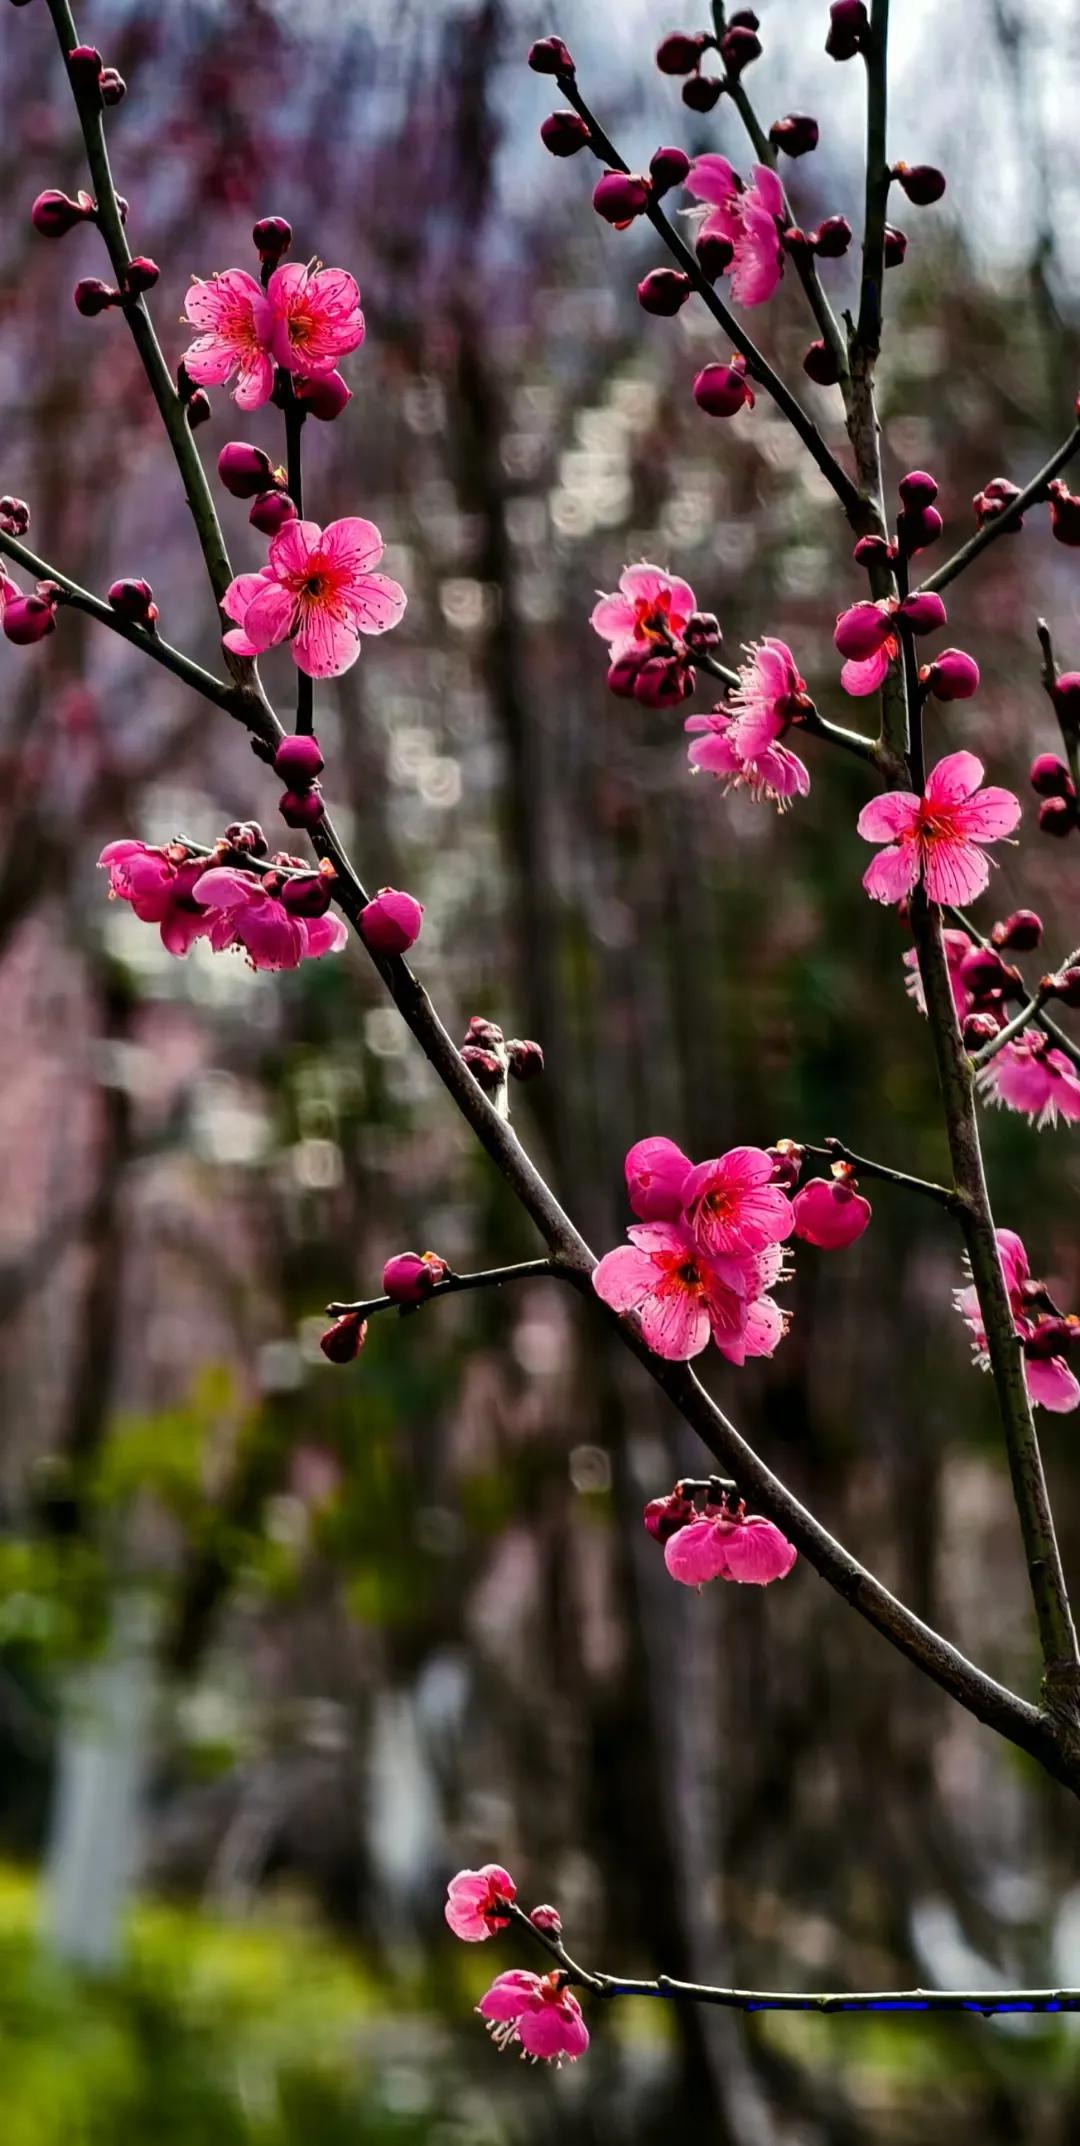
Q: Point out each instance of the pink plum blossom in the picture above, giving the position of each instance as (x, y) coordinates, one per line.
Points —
(651, 609)
(957, 946)
(536, 2011)
(740, 741)
(472, 1898)
(235, 321)
(315, 317)
(317, 591)
(764, 1325)
(729, 1546)
(244, 914)
(867, 635)
(776, 774)
(681, 1297)
(746, 216)
(1050, 1383)
(732, 1206)
(1030, 1076)
(830, 1213)
(937, 837)
(160, 889)
(656, 1171)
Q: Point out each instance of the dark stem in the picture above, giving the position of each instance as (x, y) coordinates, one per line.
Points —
(868, 328)
(526, 1270)
(1042, 1019)
(838, 1151)
(1070, 737)
(1001, 523)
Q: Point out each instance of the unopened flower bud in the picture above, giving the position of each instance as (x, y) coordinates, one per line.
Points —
(92, 296)
(917, 528)
(1065, 985)
(680, 53)
(831, 239)
(1064, 512)
(299, 761)
(701, 92)
(722, 390)
(796, 134)
(27, 619)
(619, 196)
(302, 808)
(977, 1029)
(391, 923)
(343, 1341)
(922, 183)
(830, 1213)
(702, 631)
(622, 673)
(245, 470)
(270, 511)
(54, 214)
(14, 516)
(1057, 815)
(874, 550)
(1053, 1337)
(134, 601)
(995, 499)
(663, 681)
(849, 29)
(664, 1516)
(714, 255)
(272, 237)
(895, 246)
(410, 1277)
(982, 971)
(246, 836)
(954, 675)
(923, 612)
(787, 1159)
(307, 894)
(140, 275)
(112, 86)
(564, 133)
(667, 168)
(197, 408)
(1065, 692)
(486, 1069)
(663, 290)
(487, 1034)
(1050, 777)
(549, 56)
(547, 1919)
(738, 47)
(918, 488)
(744, 18)
(84, 66)
(1022, 931)
(525, 1058)
(324, 395)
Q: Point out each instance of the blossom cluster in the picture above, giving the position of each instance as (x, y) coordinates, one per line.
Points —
(1046, 1335)
(722, 1542)
(537, 2014)
(277, 917)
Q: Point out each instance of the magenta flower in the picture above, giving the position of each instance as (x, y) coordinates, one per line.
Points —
(656, 1171)
(938, 837)
(1050, 1383)
(390, 923)
(682, 1298)
(746, 217)
(317, 591)
(740, 741)
(315, 317)
(472, 1898)
(410, 1277)
(234, 319)
(536, 2011)
(776, 774)
(732, 1206)
(160, 890)
(729, 1546)
(866, 634)
(244, 914)
(830, 1213)
(764, 1324)
(651, 609)
(1030, 1076)
(957, 948)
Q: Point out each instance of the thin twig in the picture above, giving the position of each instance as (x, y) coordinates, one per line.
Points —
(526, 1270)
(838, 1151)
(809, 719)
(1070, 737)
(1000, 524)
(1012, 1029)
(1049, 1027)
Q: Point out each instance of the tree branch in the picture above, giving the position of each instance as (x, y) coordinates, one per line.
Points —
(838, 1151)
(1032, 492)
(526, 1270)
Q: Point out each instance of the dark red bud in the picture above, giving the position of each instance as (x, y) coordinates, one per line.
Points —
(917, 528)
(485, 1068)
(622, 673)
(134, 601)
(872, 550)
(714, 255)
(298, 761)
(198, 408)
(619, 196)
(982, 971)
(308, 894)
(663, 681)
(27, 619)
(922, 183)
(1050, 777)
(245, 470)
(1065, 985)
(247, 835)
(738, 47)
(1064, 513)
(526, 1059)
(112, 86)
(979, 1028)
(702, 631)
(564, 133)
(918, 488)
(701, 92)
(820, 364)
(343, 1341)
(1057, 815)
(923, 612)
(995, 499)
(547, 1919)
(663, 290)
(667, 168)
(84, 66)
(1021, 932)
(272, 236)
(487, 1034)
(722, 390)
(849, 29)
(549, 56)
(744, 18)
(92, 296)
(1065, 691)
(270, 511)
(323, 395)
(953, 676)
(832, 238)
(895, 246)
(796, 134)
(664, 1517)
(680, 53)
(14, 516)
(140, 275)
(1052, 1337)
(302, 808)
(54, 214)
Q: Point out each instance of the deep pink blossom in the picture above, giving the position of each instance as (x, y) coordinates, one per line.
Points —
(315, 317)
(937, 837)
(957, 946)
(1050, 1383)
(729, 1546)
(160, 889)
(777, 773)
(732, 1206)
(656, 1171)
(1030, 1076)
(867, 636)
(244, 914)
(317, 591)
(745, 216)
(410, 1277)
(472, 1898)
(830, 1213)
(235, 320)
(390, 923)
(741, 741)
(682, 1298)
(764, 1324)
(651, 609)
(536, 2011)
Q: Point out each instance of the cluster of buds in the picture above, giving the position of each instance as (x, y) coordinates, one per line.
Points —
(89, 73)
(660, 672)
(1050, 777)
(490, 1056)
(299, 763)
(134, 602)
(137, 276)
(718, 1540)
(994, 500)
(248, 473)
(54, 214)
(620, 196)
(849, 29)
(390, 923)
(829, 242)
(918, 524)
(992, 983)
(682, 52)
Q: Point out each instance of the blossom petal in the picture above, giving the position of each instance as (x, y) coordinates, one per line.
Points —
(988, 816)
(954, 778)
(955, 872)
(884, 818)
(892, 874)
(1051, 1383)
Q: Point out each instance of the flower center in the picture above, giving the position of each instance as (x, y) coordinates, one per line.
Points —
(652, 616)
